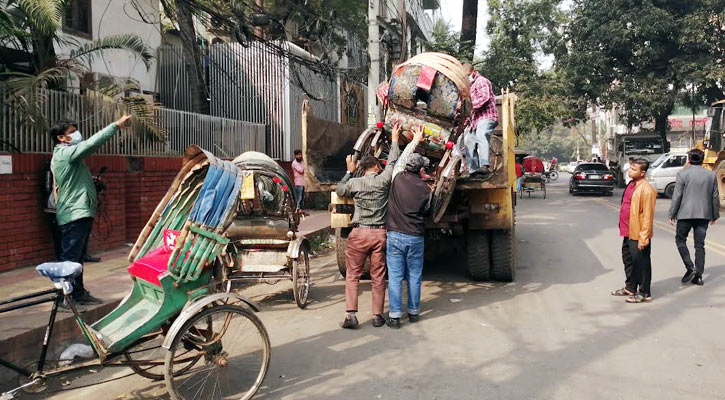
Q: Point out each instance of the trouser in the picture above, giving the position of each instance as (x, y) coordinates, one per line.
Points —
(641, 270)
(477, 149)
(361, 244)
(629, 282)
(55, 233)
(74, 244)
(519, 183)
(300, 193)
(405, 261)
(699, 227)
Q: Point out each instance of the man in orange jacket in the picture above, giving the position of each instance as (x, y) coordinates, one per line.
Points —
(636, 217)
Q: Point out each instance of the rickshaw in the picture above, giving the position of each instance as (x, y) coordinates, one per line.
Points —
(182, 322)
(534, 178)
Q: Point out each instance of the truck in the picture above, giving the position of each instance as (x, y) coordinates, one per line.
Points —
(639, 145)
(476, 215)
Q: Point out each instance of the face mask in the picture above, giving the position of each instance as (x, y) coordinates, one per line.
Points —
(75, 138)
(470, 78)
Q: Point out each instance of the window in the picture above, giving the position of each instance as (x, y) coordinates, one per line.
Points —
(675, 161)
(77, 18)
(592, 167)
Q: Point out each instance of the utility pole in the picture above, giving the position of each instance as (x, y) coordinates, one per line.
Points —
(404, 31)
(468, 25)
(374, 52)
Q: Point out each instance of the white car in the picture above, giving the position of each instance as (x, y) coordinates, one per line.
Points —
(662, 173)
(571, 167)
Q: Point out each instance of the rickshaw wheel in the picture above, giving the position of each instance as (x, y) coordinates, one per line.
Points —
(152, 352)
(301, 278)
(445, 186)
(235, 349)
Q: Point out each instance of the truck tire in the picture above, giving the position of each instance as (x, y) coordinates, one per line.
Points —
(503, 255)
(720, 176)
(478, 255)
(340, 244)
(670, 190)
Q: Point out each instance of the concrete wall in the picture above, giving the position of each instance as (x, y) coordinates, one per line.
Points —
(112, 17)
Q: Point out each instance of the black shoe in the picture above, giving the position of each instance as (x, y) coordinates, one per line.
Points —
(349, 323)
(64, 308)
(91, 259)
(697, 280)
(687, 275)
(86, 299)
(378, 321)
(413, 318)
(394, 323)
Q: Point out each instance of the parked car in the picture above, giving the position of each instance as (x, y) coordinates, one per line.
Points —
(662, 173)
(591, 178)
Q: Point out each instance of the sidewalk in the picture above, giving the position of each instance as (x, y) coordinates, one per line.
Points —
(22, 331)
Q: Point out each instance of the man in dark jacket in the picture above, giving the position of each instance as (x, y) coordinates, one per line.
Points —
(408, 202)
(695, 203)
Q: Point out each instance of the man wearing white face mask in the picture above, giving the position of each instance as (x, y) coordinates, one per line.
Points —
(483, 120)
(77, 199)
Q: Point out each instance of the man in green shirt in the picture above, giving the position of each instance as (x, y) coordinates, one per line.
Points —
(77, 199)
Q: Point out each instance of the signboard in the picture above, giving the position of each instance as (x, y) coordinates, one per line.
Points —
(6, 164)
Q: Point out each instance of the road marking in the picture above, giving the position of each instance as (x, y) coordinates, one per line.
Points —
(709, 244)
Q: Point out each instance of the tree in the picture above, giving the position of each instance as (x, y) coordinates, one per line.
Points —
(640, 55)
(444, 40)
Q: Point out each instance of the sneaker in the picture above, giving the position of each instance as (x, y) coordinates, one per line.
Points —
(687, 276)
(350, 323)
(697, 280)
(87, 299)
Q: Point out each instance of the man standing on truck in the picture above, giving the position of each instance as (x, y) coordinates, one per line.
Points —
(77, 198)
(367, 238)
(483, 119)
(408, 203)
(695, 203)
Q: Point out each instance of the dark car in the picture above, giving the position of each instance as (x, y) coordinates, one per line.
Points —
(591, 178)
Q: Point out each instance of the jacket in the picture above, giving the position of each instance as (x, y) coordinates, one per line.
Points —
(77, 197)
(641, 213)
(696, 195)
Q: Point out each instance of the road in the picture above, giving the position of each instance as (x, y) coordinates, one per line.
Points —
(555, 333)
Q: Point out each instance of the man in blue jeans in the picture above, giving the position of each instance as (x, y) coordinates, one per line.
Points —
(483, 120)
(408, 202)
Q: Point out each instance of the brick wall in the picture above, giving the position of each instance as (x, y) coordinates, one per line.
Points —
(135, 186)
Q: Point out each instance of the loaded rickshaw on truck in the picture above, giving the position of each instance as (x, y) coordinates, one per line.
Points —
(431, 90)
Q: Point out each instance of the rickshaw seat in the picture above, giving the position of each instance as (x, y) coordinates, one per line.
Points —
(155, 263)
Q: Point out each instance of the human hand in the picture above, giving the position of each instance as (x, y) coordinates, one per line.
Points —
(417, 133)
(396, 133)
(351, 164)
(641, 246)
(672, 221)
(713, 222)
(124, 121)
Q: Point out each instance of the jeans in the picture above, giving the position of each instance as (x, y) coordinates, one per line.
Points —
(300, 193)
(405, 261)
(74, 243)
(699, 227)
(641, 267)
(477, 150)
(519, 183)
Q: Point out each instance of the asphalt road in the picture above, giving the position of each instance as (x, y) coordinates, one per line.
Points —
(555, 333)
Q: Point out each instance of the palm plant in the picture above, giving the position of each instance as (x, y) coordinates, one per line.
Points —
(33, 27)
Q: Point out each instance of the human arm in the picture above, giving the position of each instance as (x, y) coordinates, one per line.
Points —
(715, 201)
(647, 207)
(408, 151)
(298, 167)
(344, 187)
(88, 147)
(677, 197)
(393, 155)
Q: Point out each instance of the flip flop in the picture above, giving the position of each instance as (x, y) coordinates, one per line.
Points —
(639, 299)
(622, 292)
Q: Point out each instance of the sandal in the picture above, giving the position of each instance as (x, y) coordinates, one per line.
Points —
(622, 292)
(639, 299)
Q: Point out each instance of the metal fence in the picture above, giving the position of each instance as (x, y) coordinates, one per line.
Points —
(224, 137)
